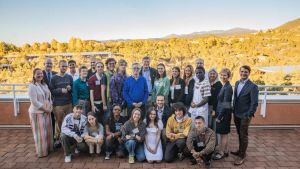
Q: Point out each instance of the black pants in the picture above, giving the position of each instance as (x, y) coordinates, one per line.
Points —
(206, 157)
(173, 148)
(100, 113)
(242, 126)
(68, 141)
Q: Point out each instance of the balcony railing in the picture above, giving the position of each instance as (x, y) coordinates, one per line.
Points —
(17, 92)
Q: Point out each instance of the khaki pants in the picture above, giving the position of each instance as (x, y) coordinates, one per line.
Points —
(59, 113)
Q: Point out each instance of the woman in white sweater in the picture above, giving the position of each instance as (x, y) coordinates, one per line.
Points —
(40, 114)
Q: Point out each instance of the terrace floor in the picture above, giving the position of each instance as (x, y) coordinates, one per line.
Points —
(267, 149)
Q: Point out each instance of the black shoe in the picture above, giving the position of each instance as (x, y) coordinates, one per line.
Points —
(193, 161)
(236, 153)
(207, 164)
(180, 156)
(57, 144)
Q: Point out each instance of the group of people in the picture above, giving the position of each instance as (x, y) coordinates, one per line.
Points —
(147, 115)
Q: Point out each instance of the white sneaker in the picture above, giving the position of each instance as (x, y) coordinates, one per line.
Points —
(68, 159)
(107, 157)
(77, 151)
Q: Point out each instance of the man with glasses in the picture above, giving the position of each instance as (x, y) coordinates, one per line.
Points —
(48, 73)
(61, 89)
(92, 70)
(95, 83)
(135, 91)
(73, 72)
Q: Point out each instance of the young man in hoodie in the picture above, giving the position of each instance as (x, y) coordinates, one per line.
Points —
(178, 127)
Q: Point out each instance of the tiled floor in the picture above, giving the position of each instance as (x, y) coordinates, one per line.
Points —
(267, 149)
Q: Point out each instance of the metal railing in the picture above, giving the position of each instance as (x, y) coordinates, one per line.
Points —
(265, 91)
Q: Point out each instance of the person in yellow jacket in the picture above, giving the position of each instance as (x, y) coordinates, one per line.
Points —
(177, 130)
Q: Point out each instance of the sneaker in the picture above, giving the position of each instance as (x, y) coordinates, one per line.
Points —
(180, 156)
(239, 161)
(107, 156)
(131, 159)
(68, 159)
(193, 161)
(77, 151)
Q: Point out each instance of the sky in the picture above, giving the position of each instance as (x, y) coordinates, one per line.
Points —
(28, 21)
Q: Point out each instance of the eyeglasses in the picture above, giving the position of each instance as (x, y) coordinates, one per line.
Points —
(136, 68)
(100, 66)
(111, 63)
(64, 66)
(48, 63)
(117, 109)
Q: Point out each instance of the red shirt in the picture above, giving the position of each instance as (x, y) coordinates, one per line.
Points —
(95, 85)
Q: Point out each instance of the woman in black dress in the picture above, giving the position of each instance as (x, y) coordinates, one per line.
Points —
(189, 85)
(215, 87)
(223, 113)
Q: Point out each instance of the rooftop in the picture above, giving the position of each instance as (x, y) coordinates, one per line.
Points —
(267, 149)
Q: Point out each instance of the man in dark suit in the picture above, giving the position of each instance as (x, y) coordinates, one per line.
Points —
(244, 106)
(149, 74)
(48, 73)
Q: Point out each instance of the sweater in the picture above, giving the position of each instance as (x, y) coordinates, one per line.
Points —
(56, 85)
(135, 90)
(180, 129)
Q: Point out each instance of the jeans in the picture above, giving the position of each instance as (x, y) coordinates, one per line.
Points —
(136, 149)
(242, 125)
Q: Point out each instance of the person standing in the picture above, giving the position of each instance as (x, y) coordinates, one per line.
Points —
(61, 89)
(245, 103)
(176, 87)
(149, 74)
(223, 114)
(39, 114)
(72, 68)
(117, 84)
(161, 84)
(199, 105)
(80, 91)
(135, 91)
(215, 87)
(95, 82)
(189, 85)
(92, 70)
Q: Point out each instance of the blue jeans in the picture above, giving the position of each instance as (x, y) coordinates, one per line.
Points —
(136, 149)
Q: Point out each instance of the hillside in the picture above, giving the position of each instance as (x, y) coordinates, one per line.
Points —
(273, 47)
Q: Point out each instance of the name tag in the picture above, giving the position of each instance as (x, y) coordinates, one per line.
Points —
(98, 82)
(178, 87)
(186, 90)
(200, 144)
(135, 131)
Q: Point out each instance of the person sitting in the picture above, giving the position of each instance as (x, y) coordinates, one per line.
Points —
(72, 130)
(93, 134)
(113, 133)
(178, 127)
(152, 144)
(133, 134)
(201, 142)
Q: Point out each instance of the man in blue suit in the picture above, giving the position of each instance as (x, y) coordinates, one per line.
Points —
(244, 103)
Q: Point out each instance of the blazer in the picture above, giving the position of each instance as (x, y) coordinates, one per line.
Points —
(224, 100)
(178, 91)
(166, 114)
(46, 77)
(153, 74)
(189, 97)
(245, 104)
(38, 95)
